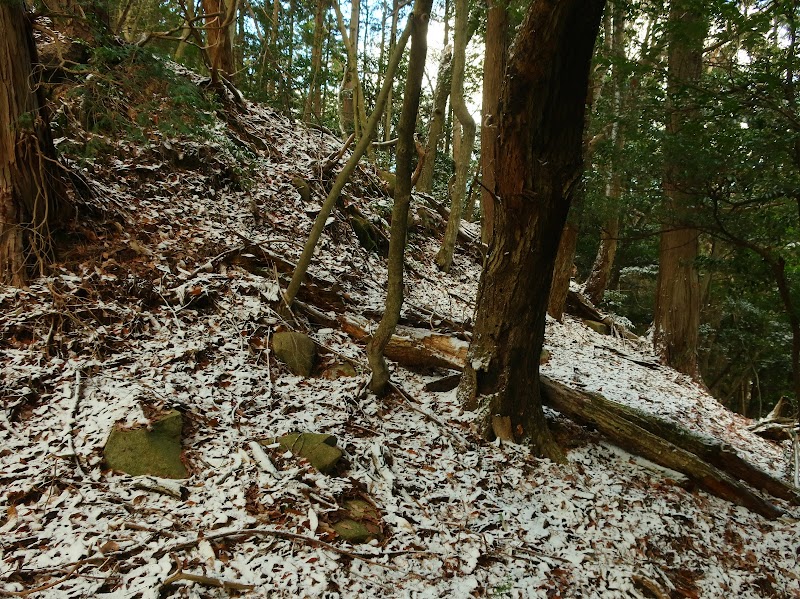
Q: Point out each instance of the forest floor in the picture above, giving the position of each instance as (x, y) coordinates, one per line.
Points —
(155, 304)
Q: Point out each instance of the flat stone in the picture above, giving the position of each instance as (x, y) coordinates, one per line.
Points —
(155, 451)
(598, 327)
(317, 448)
(296, 350)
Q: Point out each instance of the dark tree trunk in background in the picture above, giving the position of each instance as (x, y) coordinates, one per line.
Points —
(540, 138)
(562, 271)
(676, 317)
(31, 198)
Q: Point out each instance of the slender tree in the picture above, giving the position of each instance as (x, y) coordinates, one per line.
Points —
(598, 279)
(540, 136)
(443, 79)
(347, 170)
(402, 196)
(444, 259)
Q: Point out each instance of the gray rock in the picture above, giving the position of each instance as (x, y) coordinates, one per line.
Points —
(317, 448)
(296, 350)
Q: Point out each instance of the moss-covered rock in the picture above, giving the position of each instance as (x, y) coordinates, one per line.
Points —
(155, 451)
(598, 327)
(296, 350)
(363, 523)
(317, 448)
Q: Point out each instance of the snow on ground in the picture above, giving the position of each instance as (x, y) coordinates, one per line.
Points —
(111, 337)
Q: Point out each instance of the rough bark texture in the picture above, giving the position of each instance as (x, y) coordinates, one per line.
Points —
(444, 78)
(677, 307)
(402, 196)
(705, 461)
(494, 66)
(540, 138)
(30, 191)
(458, 191)
(219, 36)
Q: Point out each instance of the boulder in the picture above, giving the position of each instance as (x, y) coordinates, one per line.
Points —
(154, 451)
(296, 350)
(317, 448)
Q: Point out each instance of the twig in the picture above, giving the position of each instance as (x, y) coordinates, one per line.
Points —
(461, 443)
(208, 581)
(74, 419)
(280, 534)
(49, 585)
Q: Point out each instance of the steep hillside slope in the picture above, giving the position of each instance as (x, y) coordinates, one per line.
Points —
(166, 296)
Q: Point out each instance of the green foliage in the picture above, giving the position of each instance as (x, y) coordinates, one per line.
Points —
(127, 92)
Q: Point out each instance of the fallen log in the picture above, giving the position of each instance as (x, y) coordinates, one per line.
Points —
(417, 348)
(609, 419)
(664, 443)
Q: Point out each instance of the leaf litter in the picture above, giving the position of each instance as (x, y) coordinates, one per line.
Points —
(157, 305)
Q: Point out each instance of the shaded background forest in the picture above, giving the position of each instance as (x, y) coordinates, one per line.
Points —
(710, 151)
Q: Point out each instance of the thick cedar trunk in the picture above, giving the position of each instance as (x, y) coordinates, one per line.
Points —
(443, 79)
(30, 190)
(494, 65)
(540, 136)
(402, 197)
(219, 36)
(676, 317)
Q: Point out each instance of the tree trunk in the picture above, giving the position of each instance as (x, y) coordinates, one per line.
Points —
(352, 115)
(494, 65)
(706, 461)
(273, 42)
(443, 81)
(444, 259)
(631, 430)
(312, 105)
(540, 137)
(406, 150)
(676, 317)
(387, 117)
(31, 196)
(220, 31)
(563, 270)
(597, 282)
